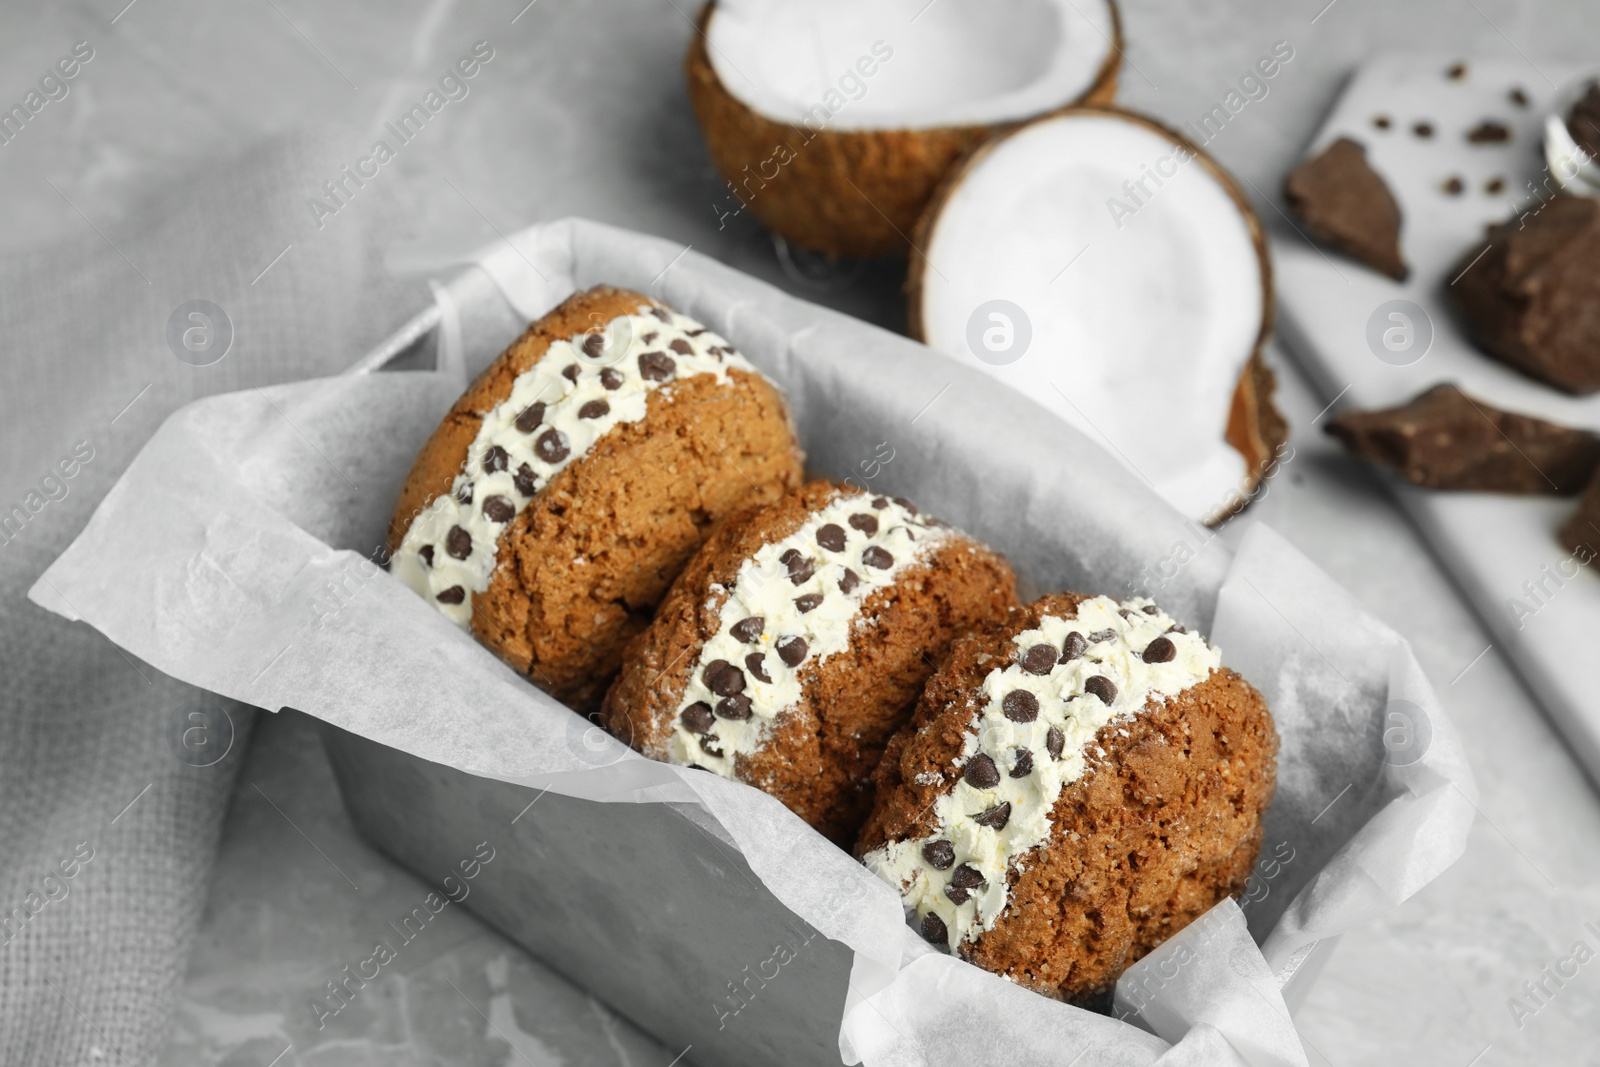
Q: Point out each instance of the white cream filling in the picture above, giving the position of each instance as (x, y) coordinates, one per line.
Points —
(507, 465)
(1064, 703)
(765, 589)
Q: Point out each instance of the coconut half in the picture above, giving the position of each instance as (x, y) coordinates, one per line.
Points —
(1107, 268)
(833, 121)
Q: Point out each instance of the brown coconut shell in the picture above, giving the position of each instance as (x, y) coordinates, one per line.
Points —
(1254, 426)
(854, 193)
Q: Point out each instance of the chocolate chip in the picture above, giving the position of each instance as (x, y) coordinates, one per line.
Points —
(696, 332)
(734, 707)
(1038, 659)
(697, 718)
(981, 772)
(662, 313)
(1423, 130)
(867, 524)
(495, 460)
(877, 557)
(1161, 650)
(594, 409)
(956, 894)
(464, 494)
(996, 817)
(1101, 635)
(458, 543)
(880, 502)
(792, 650)
(709, 746)
(1381, 121)
(1021, 763)
(908, 505)
(1054, 740)
(531, 417)
(935, 931)
(525, 480)
(1073, 647)
(1102, 687)
(552, 446)
(831, 537)
(1494, 186)
(571, 371)
(1489, 132)
(1019, 705)
(723, 678)
(594, 345)
(967, 876)
(848, 580)
(499, 509)
(800, 568)
(1150, 609)
(808, 602)
(1453, 186)
(682, 347)
(657, 366)
(756, 663)
(1176, 628)
(611, 378)
(454, 595)
(426, 552)
(1518, 97)
(749, 630)
(939, 854)
(1457, 71)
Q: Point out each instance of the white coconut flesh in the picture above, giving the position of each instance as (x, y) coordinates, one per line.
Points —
(907, 64)
(1140, 284)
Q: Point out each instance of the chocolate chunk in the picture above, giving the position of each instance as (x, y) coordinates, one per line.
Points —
(1453, 185)
(662, 313)
(1102, 635)
(1150, 609)
(454, 595)
(1488, 132)
(1494, 186)
(571, 371)
(1021, 763)
(695, 332)
(934, 930)
(1456, 72)
(967, 876)
(594, 345)
(649, 337)
(426, 552)
(749, 630)
(551, 446)
(1161, 650)
(709, 746)
(880, 502)
(657, 366)
(996, 817)
(1518, 97)
(531, 417)
(734, 707)
(1424, 130)
(831, 537)
(495, 460)
(723, 678)
(525, 480)
(697, 718)
(981, 772)
(464, 494)
(1530, 298)
(956, 894)
(1073, 647)
(1581, 533)
(611, 378)
(1019, 705)
(499, 509)
(1346, 204)
(1381, 122)
(848, 580)
(867, 524)
(939, 854)
(1445, 439)
(1038, 659)
(908, 505)
(1102, 687)
(1054, 740)
(877, 557)
(594, 409)
(682, 347)
(808, 602)
(800, 568)
(1583, 121)
(458, 543)
(756, 664)
(792, 650)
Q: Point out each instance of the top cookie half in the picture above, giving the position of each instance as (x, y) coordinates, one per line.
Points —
(568, 486)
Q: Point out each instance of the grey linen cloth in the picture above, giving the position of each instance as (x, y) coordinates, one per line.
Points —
(112, 792)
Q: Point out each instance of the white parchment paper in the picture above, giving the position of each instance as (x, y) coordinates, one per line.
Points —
(234, 554)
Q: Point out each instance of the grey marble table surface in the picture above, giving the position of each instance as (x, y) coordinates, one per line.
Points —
(584, 112)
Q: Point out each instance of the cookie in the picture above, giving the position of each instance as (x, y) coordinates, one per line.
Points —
(1074, 788)
(568, 486)
(1347, 205)
(796, 643)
